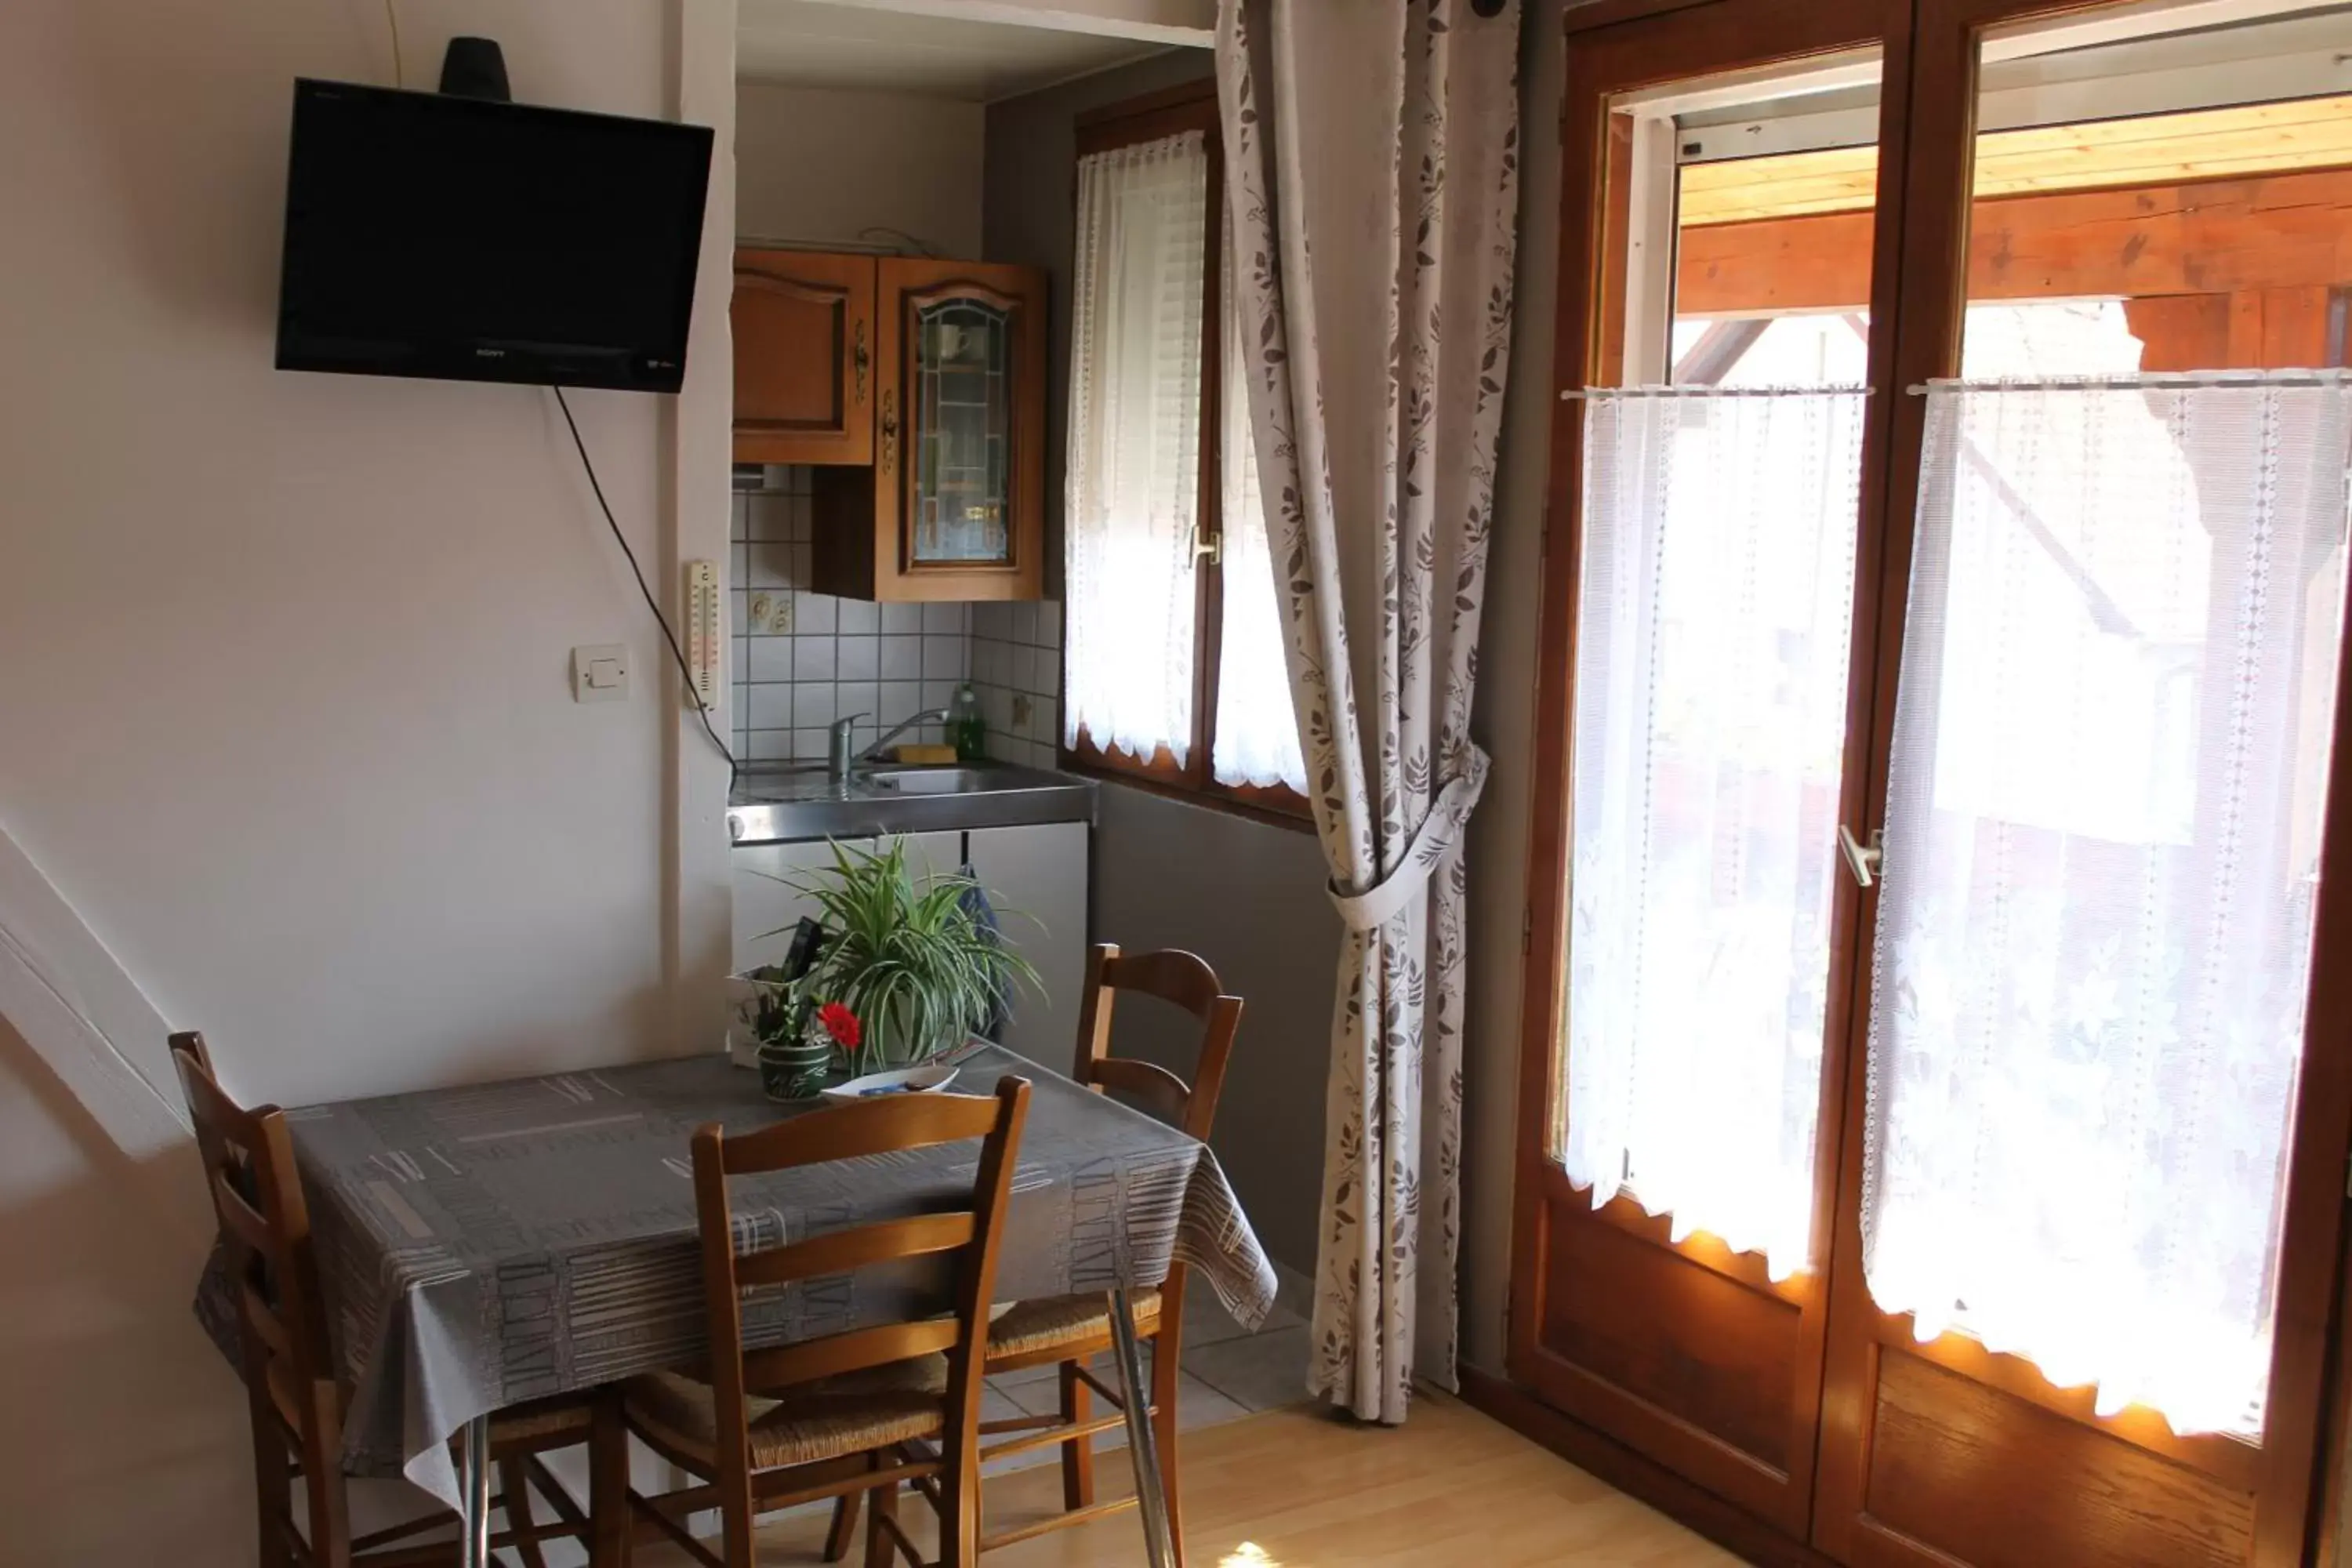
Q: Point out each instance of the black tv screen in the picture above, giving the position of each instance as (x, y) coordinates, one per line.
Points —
(457, 238)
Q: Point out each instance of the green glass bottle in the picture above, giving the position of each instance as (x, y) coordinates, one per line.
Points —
(967, 730)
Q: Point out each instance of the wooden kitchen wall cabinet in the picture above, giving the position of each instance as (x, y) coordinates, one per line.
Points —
(953, 505)
(805, 360)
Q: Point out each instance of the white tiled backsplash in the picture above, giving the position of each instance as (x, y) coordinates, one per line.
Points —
(812, 657)
(1016, 671)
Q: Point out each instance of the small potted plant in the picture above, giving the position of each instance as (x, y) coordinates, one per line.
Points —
(764, 1009)
(915, 969)
(794, 1063)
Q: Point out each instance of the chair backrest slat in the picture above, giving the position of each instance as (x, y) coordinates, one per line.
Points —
(870, 1127)
(1184, 980)
(276, 1384)
(839, 1251)
(778, 1367)
(1171, 973)
(240, 1218)
(1162, 1092)
(262, 1321)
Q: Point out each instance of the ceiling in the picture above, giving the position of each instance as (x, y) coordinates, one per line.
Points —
(813, 43)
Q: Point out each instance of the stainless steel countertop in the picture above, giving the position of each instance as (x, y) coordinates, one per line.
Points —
(783, 805)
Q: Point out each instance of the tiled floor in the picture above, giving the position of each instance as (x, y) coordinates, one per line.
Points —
(1229, 1373)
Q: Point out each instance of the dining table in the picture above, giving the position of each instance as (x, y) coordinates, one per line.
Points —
(494, 1243)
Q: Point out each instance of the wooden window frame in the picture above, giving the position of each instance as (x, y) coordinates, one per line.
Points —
(1191, 106)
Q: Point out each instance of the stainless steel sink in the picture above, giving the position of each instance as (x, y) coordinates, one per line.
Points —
(928, 781)
(790, 804)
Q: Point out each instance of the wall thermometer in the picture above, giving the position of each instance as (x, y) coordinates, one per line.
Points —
(706, 640)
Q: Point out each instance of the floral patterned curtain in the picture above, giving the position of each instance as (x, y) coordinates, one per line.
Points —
(1372, 158)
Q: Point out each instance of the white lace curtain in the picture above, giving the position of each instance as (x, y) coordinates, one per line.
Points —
(1712, 634)
(2102, 838)
(1134, 471)
(1257, 740)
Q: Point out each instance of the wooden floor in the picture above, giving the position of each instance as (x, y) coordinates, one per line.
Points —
(1295, 1489)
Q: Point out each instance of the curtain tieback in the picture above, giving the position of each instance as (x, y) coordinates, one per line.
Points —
(1432, 841)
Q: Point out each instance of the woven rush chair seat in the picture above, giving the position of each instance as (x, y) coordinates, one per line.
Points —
(1052, 1322)
(851, 1413)
(541, 1421)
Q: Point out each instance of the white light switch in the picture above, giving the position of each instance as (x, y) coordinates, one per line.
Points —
(600, 672)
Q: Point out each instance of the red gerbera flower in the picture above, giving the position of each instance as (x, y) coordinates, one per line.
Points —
(840, 1022)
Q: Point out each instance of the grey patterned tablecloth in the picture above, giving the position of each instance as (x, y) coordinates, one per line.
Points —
(481, 1246)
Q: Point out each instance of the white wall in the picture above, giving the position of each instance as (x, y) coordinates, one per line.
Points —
(109, 1387)
(284, 708)
(816, 165)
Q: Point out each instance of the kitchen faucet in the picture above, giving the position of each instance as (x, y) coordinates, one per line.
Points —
(839, 762)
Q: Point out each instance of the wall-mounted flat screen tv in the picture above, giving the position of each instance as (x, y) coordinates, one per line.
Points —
(429, 234)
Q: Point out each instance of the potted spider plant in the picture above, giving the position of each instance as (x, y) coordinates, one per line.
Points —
(918, 963)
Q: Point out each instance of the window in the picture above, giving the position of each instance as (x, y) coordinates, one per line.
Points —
(1174, 668)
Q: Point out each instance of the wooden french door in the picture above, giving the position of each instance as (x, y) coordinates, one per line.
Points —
(1942, 1452)
(1686, 1350)
(1797, 1399)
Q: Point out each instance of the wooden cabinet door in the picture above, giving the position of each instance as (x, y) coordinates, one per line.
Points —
(954, 506)
(804, 365)
(1641, 1325)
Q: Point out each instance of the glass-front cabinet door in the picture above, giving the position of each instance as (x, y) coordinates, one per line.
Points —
(961, 358)
(956, 508)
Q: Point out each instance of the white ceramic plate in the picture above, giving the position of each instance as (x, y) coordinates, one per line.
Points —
(905, 1080)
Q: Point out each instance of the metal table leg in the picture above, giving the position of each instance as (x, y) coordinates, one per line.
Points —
(1143, 1446)
(474, 1483)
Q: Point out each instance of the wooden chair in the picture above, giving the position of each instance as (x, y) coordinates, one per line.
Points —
(827, 1416)
(1068, 1332)
(297, 1413)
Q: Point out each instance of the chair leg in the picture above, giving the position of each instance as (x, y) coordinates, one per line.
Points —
(1078, 1455)
(609, 1525)
(959, 1513)
(514, 1498)
(881, 1546)
(1166, 1375)
(844, 1521)
(271, 1492)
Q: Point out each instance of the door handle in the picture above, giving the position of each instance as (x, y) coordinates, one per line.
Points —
(1866, 861)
